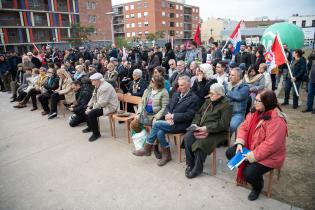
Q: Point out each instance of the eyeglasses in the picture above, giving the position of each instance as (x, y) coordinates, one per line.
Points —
(257, 100)
(171, 64)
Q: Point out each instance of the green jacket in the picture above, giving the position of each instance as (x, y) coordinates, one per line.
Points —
(160, 100)
(216, 116)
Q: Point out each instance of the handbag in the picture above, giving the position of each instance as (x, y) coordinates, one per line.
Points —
(144, 119)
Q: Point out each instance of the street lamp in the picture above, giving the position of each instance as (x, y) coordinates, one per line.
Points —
(112, 24)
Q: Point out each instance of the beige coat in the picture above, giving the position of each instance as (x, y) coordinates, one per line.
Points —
(104, 97)
(66, 90)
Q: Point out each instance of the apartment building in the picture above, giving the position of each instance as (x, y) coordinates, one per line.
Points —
(42, 22)
(135, 20)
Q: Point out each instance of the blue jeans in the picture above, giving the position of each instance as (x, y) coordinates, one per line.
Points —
(158, 131)
(310, 95)
(287, 89)
(236, 120)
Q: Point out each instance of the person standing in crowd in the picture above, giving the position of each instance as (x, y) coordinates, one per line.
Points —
(169, 54)
(193, 53)
(237, 93)
(104, 101)
(17, 82)
(50, 85)
(83, 92)
(5, 74)
(311, 91)
(283, 69)
(216, 54)
(298, 67)
(220, 75)
(264, 133)
(114, 52)
(153, 62)
(178, 116)
(13, 62)
(243, 57)
(259, 58)
(64, 92)
(212, 121)
(180, 53)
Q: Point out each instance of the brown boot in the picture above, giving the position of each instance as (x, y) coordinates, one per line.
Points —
(146, 151)
(20, 105)
(166, 156)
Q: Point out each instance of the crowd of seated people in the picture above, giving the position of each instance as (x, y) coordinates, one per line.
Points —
(178, 92)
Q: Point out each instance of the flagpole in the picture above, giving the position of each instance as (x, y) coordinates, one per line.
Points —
(289, 68)
(225, 45)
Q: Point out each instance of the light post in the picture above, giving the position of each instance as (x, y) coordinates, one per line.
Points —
(112, 24)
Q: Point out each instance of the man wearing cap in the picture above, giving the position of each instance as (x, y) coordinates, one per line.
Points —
(103, 102)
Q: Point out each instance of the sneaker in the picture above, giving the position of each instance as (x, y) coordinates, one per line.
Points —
(94, 137)
(52, 115)
(86, 130)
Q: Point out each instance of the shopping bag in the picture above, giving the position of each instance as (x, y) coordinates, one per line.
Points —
(139, 139)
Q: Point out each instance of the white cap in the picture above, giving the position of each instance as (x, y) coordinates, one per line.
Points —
(96, 76)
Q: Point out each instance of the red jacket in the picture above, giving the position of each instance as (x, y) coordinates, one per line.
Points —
(269, 146)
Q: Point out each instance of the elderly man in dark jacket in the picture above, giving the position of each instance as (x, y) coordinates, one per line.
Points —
(178, 116)
(209, 128)
(84, 90)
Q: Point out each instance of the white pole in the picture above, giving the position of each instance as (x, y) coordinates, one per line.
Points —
(225, 44)
(289, 68)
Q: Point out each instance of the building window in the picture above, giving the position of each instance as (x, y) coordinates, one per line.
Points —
(132, 15)
(140, 33)
(132, 7)
(128, 34)
(172, 33)
(139, 4)
(92, 18)
(127, 8)
(145, 14)
(197, 10)
(127, 16)
(294, 22)
(163, 14)
(163, 4)
(145, 4)
(139, 24)
(90, 5)
(139, 15)
(193, 9)
(181, 7)
(146, 32)
(163, 23)
(172, 24)
(172, 15)
(146, 23)
(133, 34)
(313, 23)
(303, 23)
(127, 25)
(177, 15)
(177, 7)
(172, 6)
(177, 24)
(133, 25)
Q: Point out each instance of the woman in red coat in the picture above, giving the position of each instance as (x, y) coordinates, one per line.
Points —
(264, 133)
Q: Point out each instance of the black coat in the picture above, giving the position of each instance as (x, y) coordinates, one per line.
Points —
(13, 62)
(299, 69)
(36, 62)
(141, 86)
(183, 111)
(51, 84)
(168, 56)
(243, 58)
(201, 89)
(154, 61)
(83, 99)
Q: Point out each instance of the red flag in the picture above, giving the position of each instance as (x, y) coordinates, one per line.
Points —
(197, 35)
(278, 51)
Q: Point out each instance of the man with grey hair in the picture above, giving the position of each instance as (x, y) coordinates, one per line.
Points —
(178, 116)
(181, 71)
(172, 69)
(210, 127)
(238, 93)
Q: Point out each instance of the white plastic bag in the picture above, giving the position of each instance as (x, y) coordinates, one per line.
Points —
(139, 139)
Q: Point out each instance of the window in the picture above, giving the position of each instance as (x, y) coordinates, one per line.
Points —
(163, 23)
(177, 15)
(303, 23)
(127, 8)
(132, 15)
(133, 34)
(181, 8)
(139, 24)
(145, 4)
(181, 32)
(177, 7)
(172, 33)
(145, 14)
(132, 7)
(133, 25)
(128, 34)
(294, 22)
(92, 18)
(127, 16)
(172, 6)
(146, 23)
(163, 14)
(127, 25)
(139, 15)
(177, 24)
(197, 10)
(193, 9)
(172, 15)
(139, 4)
(93, 5)
(172, 24)
(181, 24)
(146, 32)
(140, 33)
(313, 23)
(163, 4)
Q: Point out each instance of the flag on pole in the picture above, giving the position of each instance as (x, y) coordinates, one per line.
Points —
(236, 38)
(197, 38)
(35, 47)
(275, 57)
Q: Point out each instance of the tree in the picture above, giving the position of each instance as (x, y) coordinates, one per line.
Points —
(80, 34)
(121, 42)
(151, 36)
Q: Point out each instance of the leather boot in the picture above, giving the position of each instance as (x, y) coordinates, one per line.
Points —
(166, 156)
(156, 151)
(146, 151)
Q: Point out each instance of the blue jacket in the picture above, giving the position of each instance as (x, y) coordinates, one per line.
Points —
(238, 96)
(299, 68)
(4, 67)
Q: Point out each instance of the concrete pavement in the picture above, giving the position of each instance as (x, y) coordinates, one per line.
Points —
(45, 164)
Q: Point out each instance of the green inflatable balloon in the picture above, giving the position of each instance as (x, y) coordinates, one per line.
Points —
(289, 33)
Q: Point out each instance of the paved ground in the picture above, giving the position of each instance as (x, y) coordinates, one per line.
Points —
(48, 165)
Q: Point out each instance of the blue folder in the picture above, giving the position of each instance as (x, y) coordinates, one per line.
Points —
(237, 159)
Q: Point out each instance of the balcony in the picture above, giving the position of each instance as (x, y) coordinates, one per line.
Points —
(8, 18)
(187, 11)
(62, 6)
(187, 18)
(38, 5)
(187, 35)
(118, 21)
(119, 11)
(40, 19)
(14, 36)
(42, 35)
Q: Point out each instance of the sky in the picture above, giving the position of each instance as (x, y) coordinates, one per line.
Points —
(251, 9)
